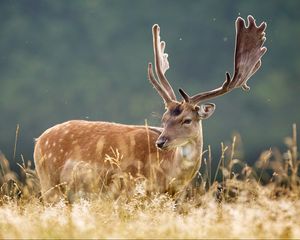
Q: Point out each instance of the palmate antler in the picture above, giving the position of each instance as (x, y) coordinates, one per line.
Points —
(162, 86)
(247, 60)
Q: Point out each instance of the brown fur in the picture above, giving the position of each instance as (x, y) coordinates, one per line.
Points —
(91, 142)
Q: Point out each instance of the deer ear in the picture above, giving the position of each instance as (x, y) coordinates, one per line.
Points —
(206, 110)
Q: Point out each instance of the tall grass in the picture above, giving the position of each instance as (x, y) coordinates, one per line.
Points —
(237, 201)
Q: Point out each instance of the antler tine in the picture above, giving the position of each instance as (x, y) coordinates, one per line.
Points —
(161, 61)
(185, 96)
(247, 58)
(161, 91)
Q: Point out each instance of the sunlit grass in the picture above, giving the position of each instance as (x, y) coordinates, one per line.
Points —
(262, 201)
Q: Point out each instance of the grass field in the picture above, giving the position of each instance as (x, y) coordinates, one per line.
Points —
(261, 201)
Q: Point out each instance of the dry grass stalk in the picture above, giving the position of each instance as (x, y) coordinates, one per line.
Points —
(245, 205)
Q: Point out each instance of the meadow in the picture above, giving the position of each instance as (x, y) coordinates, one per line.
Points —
(236, 201)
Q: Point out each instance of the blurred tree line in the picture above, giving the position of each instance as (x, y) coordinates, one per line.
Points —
(82, 59)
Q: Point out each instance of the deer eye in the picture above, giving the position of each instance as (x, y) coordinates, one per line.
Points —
(187, 121)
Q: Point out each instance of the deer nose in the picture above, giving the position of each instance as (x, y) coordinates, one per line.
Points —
(160, 143)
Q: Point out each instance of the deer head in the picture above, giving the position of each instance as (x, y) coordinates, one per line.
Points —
(182, 119)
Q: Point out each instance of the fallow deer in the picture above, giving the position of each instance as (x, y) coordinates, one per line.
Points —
(171, 153)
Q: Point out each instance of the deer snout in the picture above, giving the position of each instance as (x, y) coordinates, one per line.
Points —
(161, 142)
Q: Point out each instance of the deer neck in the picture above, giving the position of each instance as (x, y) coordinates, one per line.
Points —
(187, 157)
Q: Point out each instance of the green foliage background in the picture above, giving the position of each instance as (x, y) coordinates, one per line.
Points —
(62, 60)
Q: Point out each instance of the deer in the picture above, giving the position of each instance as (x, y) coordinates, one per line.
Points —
(172, 153)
